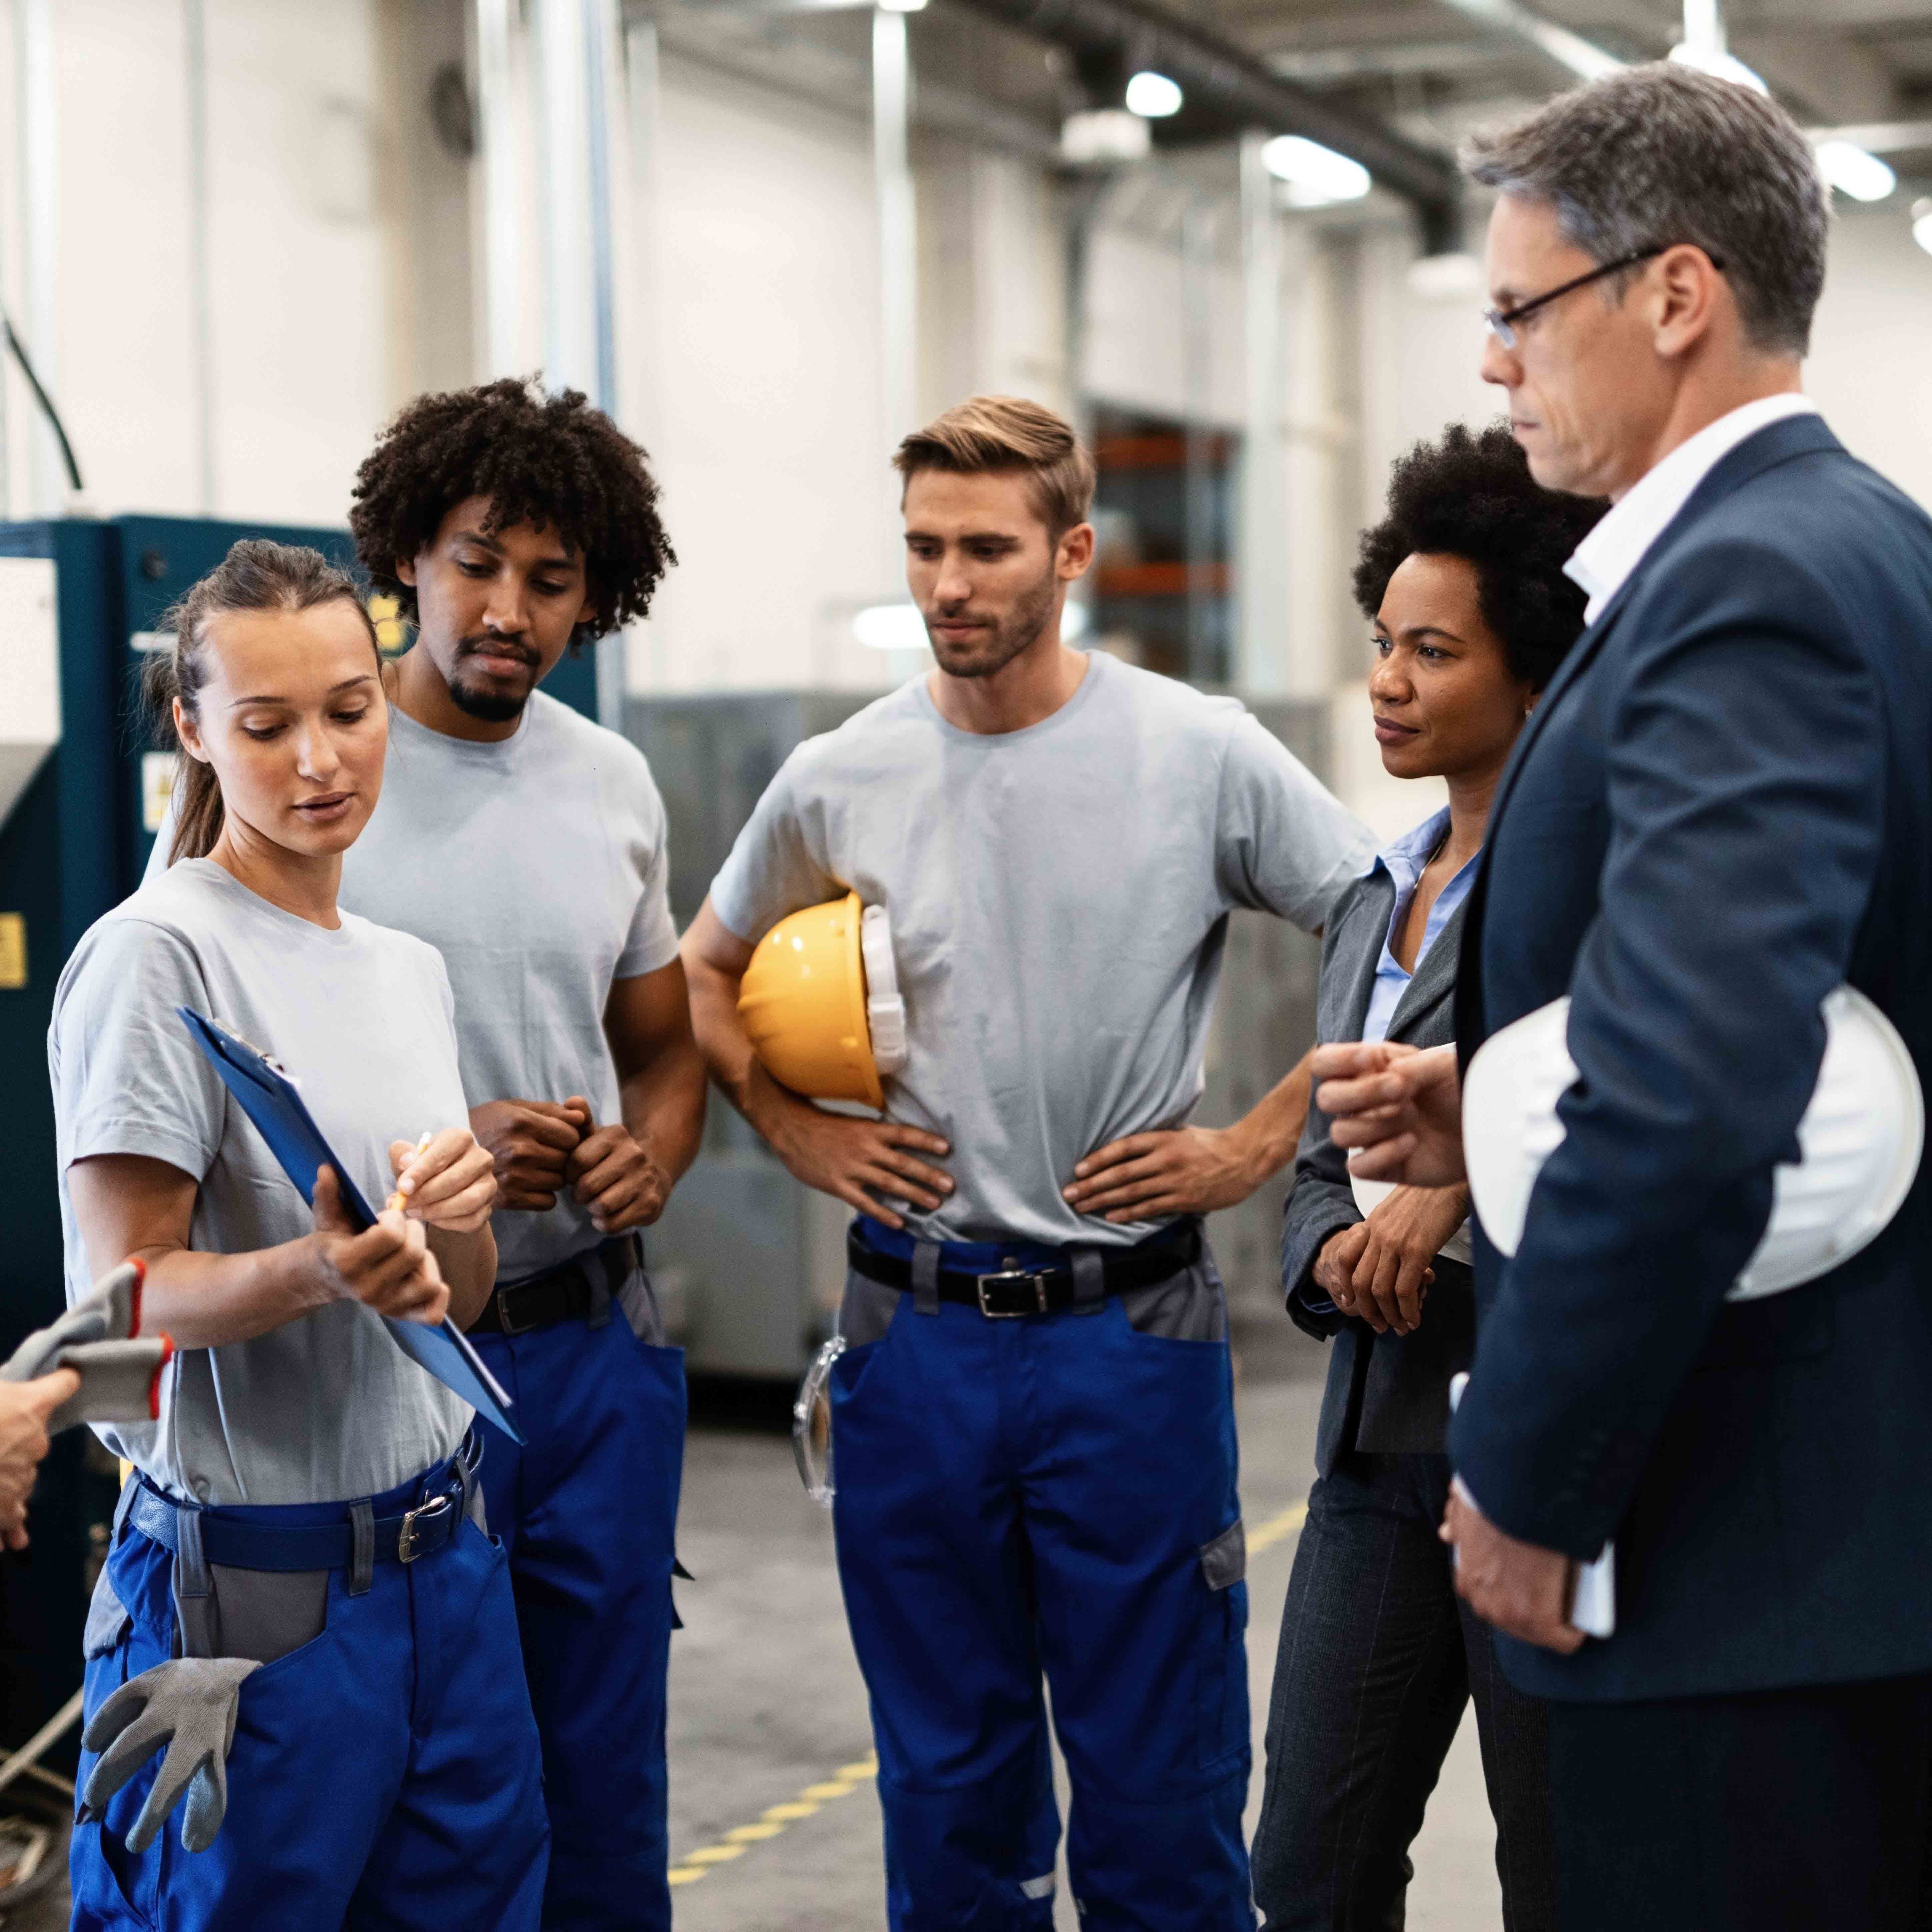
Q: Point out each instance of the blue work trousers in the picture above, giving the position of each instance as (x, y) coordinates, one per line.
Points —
(1054, 1497)
(587, 1508)
(384, 1776)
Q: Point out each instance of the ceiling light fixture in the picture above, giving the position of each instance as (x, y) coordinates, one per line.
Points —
(1153, 96)
(1921, 224)
(1725, 66)
(1856, 171)
(1104, 136)
(1316, 176)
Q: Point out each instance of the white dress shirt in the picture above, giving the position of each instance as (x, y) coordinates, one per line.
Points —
(1615, 546)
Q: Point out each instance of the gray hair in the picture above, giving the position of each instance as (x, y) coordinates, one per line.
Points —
(1662, 154)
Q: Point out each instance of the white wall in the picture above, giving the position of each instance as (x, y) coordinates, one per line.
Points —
(1870, 369)
(771, 448)
(316, 337)
(1136, 352)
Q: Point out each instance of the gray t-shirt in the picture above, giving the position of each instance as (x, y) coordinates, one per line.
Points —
(1059, 899)
(326, 1407)
(538, 867)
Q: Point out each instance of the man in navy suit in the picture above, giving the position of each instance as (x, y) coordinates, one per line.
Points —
(1721, 811)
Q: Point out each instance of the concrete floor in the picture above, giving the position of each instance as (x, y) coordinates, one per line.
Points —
(767, 1709)
(774, 1823)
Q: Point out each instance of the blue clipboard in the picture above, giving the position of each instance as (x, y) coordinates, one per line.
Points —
(269, 1097)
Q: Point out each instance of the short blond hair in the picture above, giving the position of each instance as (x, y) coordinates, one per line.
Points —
(987, 435)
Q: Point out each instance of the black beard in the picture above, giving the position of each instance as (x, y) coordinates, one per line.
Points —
(486, 706)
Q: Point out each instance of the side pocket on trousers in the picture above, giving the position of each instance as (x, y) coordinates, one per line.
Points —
(1223, 1678)
(107, 1620)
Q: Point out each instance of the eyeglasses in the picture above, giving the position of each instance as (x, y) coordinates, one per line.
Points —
(1502, 321)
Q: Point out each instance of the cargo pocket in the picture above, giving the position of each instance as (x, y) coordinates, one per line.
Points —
(867, 1310)
(638, 1302)
(268, 1615)
(1223, 1675)
(107, 1620)
(1190, 1306)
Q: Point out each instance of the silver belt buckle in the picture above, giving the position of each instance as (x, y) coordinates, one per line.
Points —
(408, 1540)
(1035, 1276)
(505, 1324)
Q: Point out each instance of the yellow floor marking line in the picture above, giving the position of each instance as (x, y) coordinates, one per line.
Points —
(1268, 1534)
(810, 1801)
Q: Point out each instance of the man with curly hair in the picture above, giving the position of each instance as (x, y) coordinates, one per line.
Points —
(527, 845)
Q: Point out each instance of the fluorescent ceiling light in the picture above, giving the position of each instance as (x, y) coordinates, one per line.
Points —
(1584, 58)
(1317, 177)
(1854, 171)
(903, 6)
(1106, 134)
(1726, 66)
(890, 627)
(1922, 224)
(1153, 96)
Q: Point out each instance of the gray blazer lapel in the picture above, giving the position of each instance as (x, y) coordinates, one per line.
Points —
(1435, 978)
(1348, 977)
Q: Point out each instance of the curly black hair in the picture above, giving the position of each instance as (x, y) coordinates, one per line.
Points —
(550, 461)
(1470, 495)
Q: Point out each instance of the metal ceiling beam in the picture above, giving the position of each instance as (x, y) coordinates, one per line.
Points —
(1225, 81)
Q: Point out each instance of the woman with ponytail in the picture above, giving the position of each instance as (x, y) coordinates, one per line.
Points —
(303, 1507)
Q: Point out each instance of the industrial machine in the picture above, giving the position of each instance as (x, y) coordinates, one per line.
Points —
(82, 791)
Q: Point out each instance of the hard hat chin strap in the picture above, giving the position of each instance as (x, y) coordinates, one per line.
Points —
(885, 1011)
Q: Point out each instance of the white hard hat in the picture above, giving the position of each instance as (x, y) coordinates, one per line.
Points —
(1860, 1139)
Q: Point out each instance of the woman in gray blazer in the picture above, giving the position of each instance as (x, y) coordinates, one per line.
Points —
(1464, 582)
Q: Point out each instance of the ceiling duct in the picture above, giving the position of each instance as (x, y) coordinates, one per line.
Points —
(1224, 83)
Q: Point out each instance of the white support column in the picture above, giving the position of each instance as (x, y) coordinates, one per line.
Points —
(200, 269)
(566, 219)
(640, 281)
(502, 266)
(1261, 654)
(576, 47)
(34, 116)
(1197, 273)
(898, 259)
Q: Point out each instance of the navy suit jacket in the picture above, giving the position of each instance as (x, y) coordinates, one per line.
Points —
(1721, 809)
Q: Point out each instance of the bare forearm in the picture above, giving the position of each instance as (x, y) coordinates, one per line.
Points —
(722, 1042)
(1270, 1131)
(468, 1265)
(663, 1105)
(207, 1300)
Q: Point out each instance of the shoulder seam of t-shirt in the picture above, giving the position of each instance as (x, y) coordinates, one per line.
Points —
(110, 1134)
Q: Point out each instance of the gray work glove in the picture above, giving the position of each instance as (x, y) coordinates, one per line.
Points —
(106, 1314)
(189, 1704)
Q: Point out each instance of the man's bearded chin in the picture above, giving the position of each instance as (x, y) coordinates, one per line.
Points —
(479, 701)
(1001, 642)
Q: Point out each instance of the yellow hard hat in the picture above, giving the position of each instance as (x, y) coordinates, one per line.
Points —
(821, 1003)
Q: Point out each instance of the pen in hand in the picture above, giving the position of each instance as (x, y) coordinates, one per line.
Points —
(399, 1199)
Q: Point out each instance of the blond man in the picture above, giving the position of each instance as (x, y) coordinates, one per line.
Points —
(1033, 1413)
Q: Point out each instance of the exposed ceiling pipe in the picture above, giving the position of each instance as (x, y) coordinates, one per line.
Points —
(1225, 81)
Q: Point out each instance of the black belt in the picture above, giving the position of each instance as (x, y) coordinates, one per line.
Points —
(1011, 1291)
(570, 1291)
